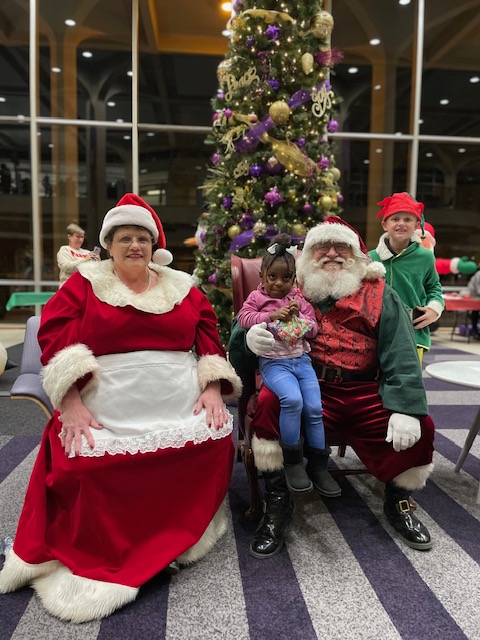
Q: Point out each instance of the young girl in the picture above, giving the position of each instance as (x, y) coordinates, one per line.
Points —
(287, 370)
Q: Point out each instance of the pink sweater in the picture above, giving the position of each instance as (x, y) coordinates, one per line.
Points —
(258, 307)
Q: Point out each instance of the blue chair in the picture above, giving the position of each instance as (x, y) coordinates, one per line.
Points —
(28, 385)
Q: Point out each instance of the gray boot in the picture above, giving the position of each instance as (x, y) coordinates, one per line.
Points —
(317, 472)
(295, 474)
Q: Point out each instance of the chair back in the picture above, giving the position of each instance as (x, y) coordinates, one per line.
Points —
(31, 349)
(28, 385)
(245, 279)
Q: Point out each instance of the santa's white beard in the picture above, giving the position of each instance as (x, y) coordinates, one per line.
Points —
(319, 284)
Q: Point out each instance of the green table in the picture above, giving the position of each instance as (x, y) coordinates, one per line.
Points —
(28, 298)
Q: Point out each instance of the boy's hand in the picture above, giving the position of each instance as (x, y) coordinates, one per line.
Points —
(427, 316)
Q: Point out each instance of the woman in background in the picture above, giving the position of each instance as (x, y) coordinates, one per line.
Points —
(71, 255)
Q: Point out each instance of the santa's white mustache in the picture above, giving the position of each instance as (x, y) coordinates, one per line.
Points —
(347, 263)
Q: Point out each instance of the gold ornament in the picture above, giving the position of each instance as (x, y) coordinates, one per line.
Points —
(259, 228)
(223, 70)
(299, 229)
(307, 63)
(233, 231)
(326, 202)
(269, 16)
(336, 173)
(322, 26)
(279, 112)
(291, 195)
(328, 181)
(288, 154)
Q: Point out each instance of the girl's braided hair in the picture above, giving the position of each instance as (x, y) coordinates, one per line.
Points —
(281, 242)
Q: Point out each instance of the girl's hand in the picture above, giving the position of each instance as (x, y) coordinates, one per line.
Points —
(280, 314)
(215, 408)
(294, 308)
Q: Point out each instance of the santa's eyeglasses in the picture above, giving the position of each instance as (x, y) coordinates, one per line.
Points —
(340, 247)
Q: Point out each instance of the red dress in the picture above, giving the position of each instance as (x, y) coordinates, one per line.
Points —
(123, 513)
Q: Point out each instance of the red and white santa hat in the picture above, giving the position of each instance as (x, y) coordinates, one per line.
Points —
(400, 202)
(132, 210)
(335, 229)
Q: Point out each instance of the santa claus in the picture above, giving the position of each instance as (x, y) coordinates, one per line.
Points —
(370, 378)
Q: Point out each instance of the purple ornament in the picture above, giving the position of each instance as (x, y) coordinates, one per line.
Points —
(273, 197)
(215, 158)
(220, 95)
(273, 168)
(274, 84)
(250, 41)
(228, 113)
(272, 32)
(255, 170)
(307, 208)
(227, 202)
(301, 143)
(247, 220)
(215, 116)
(339, 198)
(213, 279)
(332, 126)
(323, 163)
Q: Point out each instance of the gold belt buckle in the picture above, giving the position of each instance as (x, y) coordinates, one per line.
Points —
(403, 506)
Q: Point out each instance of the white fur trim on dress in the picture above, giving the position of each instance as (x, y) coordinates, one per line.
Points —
(268, 454)
(215, 530)
(17, 573)
(414, 478)
(172, 287)
(77, 599)
(211, 368)
(128, 214)
(67, 367)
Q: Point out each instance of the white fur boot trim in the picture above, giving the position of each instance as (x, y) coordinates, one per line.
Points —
(78, 599)
(268, 454)
(414, 478)
(213, 533)
(16, 573)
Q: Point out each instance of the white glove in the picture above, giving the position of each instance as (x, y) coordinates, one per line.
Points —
(259, 340)
(403, 431)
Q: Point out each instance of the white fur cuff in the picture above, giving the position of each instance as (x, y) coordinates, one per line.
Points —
(268, 454)
(438, 307)
(65, 368)
(213, 368)
(414, 478)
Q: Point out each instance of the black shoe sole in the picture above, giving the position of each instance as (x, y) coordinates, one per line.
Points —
(293, 490)
(327, 494)
(263, 556)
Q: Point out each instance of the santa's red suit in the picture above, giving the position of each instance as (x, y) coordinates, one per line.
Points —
(96, 527)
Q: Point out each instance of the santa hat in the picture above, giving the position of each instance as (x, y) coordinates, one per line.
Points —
(335, 229)
(400, 202)
(132, 210)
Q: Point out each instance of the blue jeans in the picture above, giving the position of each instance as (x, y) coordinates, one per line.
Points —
(295, 383)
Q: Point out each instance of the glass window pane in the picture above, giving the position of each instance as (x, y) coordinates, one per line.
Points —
(14, 69)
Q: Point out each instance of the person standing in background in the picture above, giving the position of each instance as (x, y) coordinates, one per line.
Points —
(474, 291)
(71, 255)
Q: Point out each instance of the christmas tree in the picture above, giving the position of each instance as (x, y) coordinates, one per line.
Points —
(272, 164)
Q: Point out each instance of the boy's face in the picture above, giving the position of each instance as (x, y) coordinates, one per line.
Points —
(400, 226)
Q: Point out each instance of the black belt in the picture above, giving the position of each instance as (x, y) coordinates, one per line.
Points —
(337, 374)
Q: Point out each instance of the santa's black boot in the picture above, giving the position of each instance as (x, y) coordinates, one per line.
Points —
(295, 473)
(269, 538)
(398, 509)
(318, 474)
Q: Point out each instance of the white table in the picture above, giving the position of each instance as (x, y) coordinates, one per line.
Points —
(467, 374)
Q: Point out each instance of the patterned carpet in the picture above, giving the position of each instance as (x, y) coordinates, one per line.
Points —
(342, 575)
